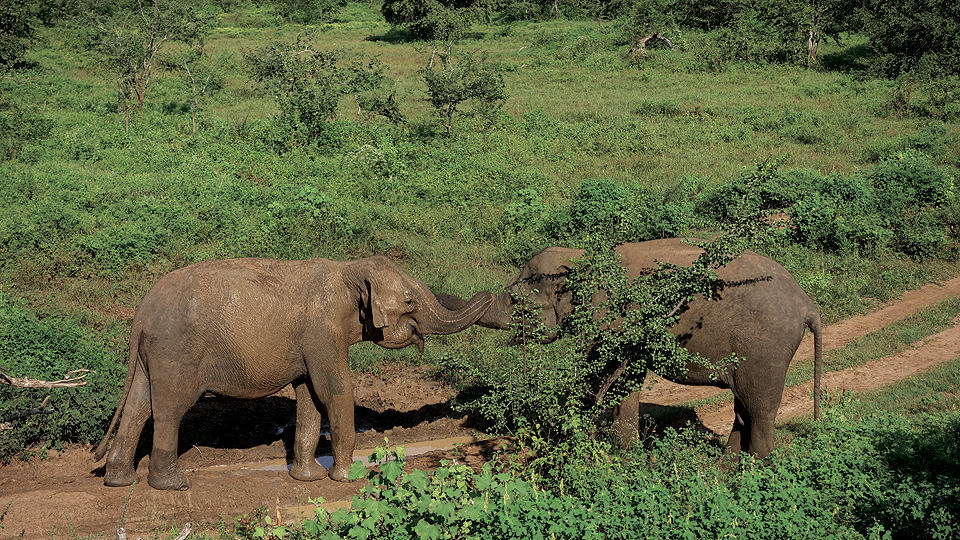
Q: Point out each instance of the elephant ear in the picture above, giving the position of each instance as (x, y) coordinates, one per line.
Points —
(378, 312)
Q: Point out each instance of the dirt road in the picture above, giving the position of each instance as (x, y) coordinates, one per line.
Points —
(240, 465)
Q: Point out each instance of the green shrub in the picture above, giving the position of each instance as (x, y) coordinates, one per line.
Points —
(47, 349)
(882, 477)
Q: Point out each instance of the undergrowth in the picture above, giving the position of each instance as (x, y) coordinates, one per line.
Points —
(884, 476)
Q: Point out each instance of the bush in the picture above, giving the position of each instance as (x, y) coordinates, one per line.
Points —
(47, 349)
(881, 477)
(309, 11)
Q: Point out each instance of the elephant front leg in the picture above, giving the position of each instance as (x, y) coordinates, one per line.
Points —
(342, 434)
(305, 466)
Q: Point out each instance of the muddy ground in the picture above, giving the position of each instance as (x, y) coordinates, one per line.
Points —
(235, 451)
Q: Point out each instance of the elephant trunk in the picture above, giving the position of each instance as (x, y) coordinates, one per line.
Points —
(436, 318)
(497, 316)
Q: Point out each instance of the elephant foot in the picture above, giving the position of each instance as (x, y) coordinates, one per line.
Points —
(176, 481)
(120, 478)
(340, 473)
(308, 472)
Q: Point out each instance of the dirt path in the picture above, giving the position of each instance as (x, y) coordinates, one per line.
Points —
(240, 466)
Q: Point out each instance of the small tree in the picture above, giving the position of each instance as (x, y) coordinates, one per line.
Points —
(471, 78)
(444, 20)
(309, 11)
(308, 85)
(130, 42)
(16, 31)
(203, 81)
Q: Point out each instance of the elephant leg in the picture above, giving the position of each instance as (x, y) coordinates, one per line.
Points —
(120, 469)
(305, 466)
(165, 470)
(741, 429)
(342, 434)
(626, 419)
(755, 422)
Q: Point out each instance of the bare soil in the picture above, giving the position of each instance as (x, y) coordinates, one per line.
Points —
(235, 452)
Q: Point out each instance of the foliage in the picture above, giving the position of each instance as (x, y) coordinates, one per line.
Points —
(903, 205)
(471, 78)
(16, 31)
(309, 11)
(20, 125)
(129, 43)
(46, 349)
(914, 36)
(842, 479)
(442, 20)
(308, 85)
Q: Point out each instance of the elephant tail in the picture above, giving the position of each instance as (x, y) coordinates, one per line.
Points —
(132, 362)
(817, 329)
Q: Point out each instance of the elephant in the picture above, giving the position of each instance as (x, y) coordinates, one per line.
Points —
(246, 328)
(759, 313)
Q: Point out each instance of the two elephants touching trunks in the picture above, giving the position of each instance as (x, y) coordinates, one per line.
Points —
(759, 314)
(248, 327)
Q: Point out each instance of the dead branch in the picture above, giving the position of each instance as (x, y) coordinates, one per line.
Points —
(641, 43)
(69, 380)
(7, 421)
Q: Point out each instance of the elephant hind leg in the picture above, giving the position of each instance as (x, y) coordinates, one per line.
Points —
(305, 466)
(120, 468)
(740, 433)
(753, 429)
(165, 470)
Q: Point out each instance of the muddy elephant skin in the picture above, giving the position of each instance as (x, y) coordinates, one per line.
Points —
(248, 327)
(760, 314)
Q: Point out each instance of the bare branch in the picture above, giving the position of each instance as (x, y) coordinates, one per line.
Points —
(7, 422)
(69, 380)
(641, 43)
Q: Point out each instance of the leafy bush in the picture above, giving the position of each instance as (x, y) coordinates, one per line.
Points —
(308, 85)
(443, 20)
(471, 78)
(20, 125)
(309, 11)
(47, 349)
(842, 479)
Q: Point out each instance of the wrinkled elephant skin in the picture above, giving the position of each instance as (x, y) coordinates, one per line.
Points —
(248, 327)
(760, 315)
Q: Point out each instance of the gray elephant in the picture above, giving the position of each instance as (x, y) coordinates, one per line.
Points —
(248, 327)
(760, 314)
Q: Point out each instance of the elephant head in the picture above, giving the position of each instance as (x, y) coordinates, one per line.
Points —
(542, 281)
(398, 310)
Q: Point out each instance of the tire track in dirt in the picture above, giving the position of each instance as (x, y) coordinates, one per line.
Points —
(796, 400)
